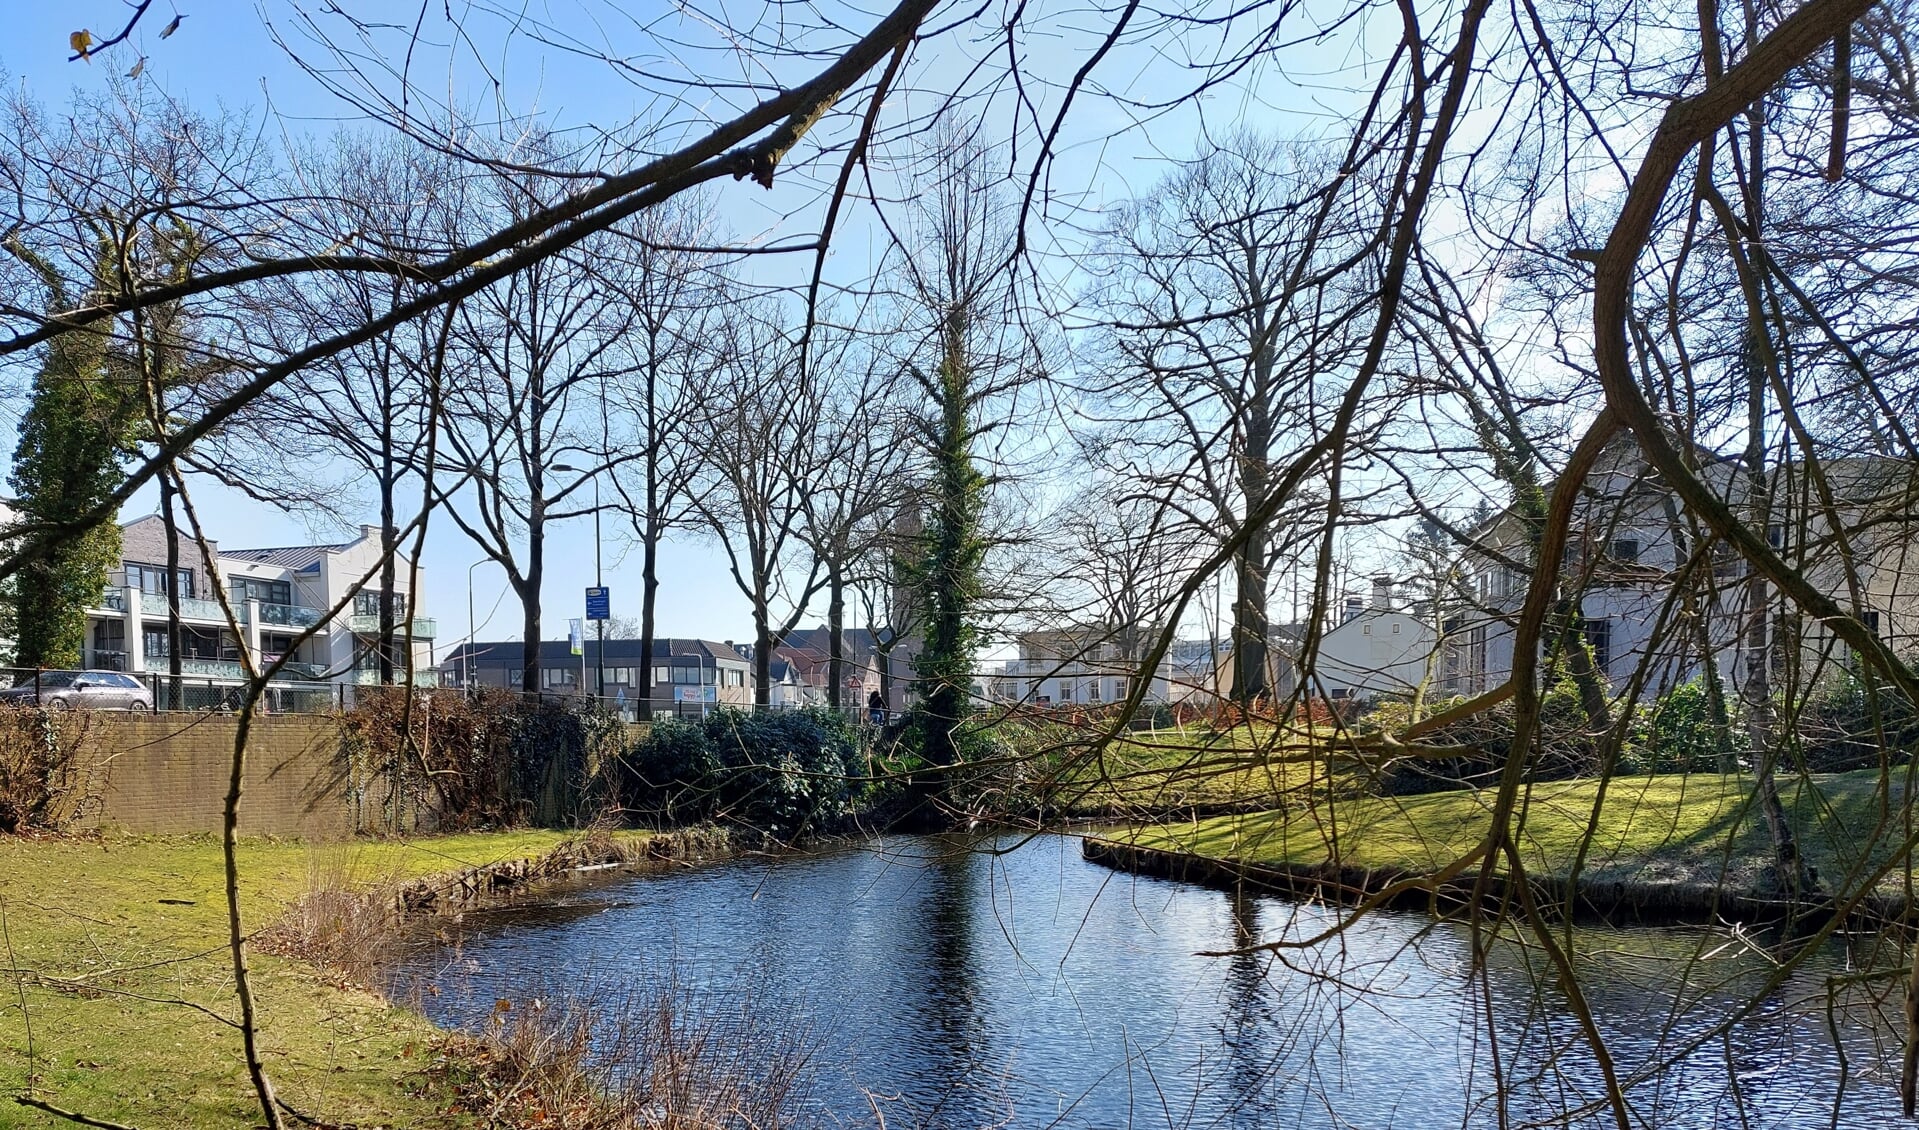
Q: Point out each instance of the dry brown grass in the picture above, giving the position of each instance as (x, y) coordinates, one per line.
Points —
(660, 1058)
(349, 922)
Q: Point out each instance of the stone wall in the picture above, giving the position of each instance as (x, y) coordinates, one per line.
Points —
(168, 773)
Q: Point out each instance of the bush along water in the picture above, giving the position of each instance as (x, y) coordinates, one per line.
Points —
(784, 774)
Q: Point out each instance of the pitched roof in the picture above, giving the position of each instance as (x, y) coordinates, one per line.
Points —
(297, 558)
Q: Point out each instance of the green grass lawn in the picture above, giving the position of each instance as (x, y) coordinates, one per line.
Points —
(1170, 770)
(1697, 827)
(127, 925)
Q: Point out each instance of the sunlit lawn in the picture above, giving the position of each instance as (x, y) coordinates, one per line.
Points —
(126, 924)
(1653, 827)
(1173, 769)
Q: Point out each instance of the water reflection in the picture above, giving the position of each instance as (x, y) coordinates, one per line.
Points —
(966, 988)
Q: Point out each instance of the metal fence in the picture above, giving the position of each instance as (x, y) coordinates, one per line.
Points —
(102, 689)
(201, 692)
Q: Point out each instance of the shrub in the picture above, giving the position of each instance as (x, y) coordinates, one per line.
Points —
(779, 772)
(492, 758)
(46, 780)
(1681, 736)
(1848, 724)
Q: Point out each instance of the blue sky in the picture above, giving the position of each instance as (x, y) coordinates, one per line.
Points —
(225, 54)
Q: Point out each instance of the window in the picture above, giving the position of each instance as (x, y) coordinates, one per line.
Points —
(366, 602)
(1092, 691)
(1626, 550)
(620, 675)
(1066, 692)
(1598, 635)
(1395, 629)
(662, 674)
(1870, 618)
(514, 676)
(1366, 629)
(686, 676)
(1776, 536)
(153, 579)
(266, 592)
(560, 676)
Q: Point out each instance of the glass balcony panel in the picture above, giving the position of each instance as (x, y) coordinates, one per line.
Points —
(213, 668)
(191, 608)
(289, 615)
(114, 598)
(368, 624)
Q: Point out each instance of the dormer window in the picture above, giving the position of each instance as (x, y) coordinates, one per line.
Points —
(1625, 550)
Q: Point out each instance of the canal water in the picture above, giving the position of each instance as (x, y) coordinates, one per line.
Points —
(959, 983)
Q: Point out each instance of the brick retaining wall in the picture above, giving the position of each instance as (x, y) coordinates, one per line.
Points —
(168, 773)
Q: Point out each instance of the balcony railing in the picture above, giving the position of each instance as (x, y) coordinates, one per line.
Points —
(211, 668)
(364, 677)
(368, 623)
(193, 608)
(153, 606)
(290, 616)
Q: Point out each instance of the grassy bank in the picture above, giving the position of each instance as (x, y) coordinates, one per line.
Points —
(1672, 828)
(123, 938)
(1166, 771)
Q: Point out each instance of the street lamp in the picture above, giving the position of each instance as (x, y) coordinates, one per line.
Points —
(472, 629)
(599, 668)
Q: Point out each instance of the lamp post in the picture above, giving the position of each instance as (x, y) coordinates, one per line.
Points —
(599, 667)
(472, 629)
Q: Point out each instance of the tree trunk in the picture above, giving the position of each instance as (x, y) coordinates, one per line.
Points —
(762, 658)
(649, 585)
(389, 573)
(649, 555)
(171, 525)
(835, 644)
(1250, 629)
(528, 588)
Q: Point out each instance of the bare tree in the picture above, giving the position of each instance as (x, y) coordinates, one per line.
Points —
(1230, 309)
(761, 443)
(527, 431)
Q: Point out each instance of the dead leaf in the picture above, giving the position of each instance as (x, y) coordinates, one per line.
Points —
(172, 27)
(138, 67)
(80, 41)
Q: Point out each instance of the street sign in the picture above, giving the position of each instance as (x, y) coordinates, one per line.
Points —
(599, 605)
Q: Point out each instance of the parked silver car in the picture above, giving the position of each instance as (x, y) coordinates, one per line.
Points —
(87, 690)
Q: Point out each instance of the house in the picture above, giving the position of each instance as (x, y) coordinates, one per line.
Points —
(1653, 605)
(784, 688)
(864, 666)
(687, 673)
(1385, 647)
(274, 594)
(1086, 665)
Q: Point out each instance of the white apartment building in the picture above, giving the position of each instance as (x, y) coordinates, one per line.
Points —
(1084, 666)
(275, 594)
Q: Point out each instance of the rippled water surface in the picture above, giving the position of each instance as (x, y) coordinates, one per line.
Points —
(969, 983)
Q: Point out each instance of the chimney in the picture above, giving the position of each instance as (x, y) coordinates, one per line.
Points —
(1383, 593)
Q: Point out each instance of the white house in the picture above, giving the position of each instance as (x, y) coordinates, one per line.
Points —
(1083, 666)
(274, 594)
(1653, 604)
(1382, 648)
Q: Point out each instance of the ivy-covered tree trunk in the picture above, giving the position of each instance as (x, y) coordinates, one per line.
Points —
(953, 550)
